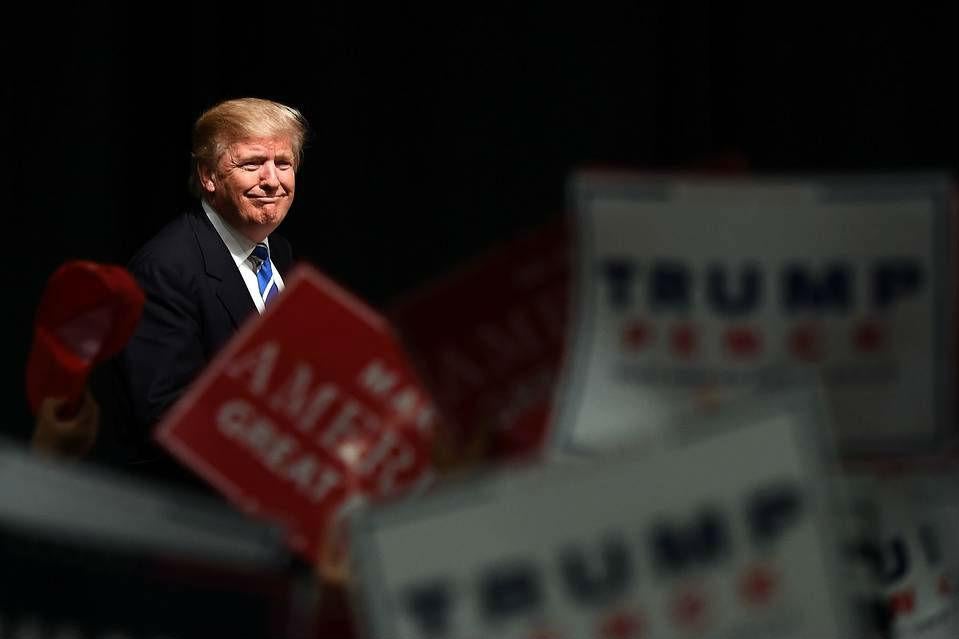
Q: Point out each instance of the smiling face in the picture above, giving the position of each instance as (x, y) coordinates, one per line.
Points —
(252, 185)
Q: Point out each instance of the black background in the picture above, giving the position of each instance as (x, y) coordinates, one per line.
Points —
(436, 135)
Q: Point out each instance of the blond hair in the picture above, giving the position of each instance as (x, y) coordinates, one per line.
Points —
(231, 121)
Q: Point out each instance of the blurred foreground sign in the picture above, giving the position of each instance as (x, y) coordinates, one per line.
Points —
(89, 554)
(914, 560)
(690, 290)
(310, 409)
(488, 339)
(726, 536)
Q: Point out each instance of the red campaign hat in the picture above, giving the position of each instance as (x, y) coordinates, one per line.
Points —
(87, 314)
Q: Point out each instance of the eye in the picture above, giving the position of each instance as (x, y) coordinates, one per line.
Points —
(284, 165)
(250, 166)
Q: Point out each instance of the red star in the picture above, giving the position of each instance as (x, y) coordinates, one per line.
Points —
(683, 340)
(805, 342)
(689, 608)
(743, 342)
(757, 585)
(945, 586)
(620, 625)
(902, 602)
(637, 335)
(867, 337)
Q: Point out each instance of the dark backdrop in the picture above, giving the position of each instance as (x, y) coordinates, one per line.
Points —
(436, 135)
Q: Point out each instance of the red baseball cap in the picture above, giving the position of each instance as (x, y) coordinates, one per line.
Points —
(87, 314)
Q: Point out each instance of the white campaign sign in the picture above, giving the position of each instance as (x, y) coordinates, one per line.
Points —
(917, 558)
(691, 290)
(689, 542)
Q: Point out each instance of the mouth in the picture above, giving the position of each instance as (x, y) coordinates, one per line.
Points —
(266, 199)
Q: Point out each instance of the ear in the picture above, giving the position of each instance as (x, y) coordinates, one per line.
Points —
(207, 178)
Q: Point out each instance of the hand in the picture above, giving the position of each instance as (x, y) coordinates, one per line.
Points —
(66, 437)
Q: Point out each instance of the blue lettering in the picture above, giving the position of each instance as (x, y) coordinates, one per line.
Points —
(894, 561)
(726, 302)
(669, 287)
(619, 278)
(676, 548)
(595, 585)
(430, 605)
(894, 278)
(771, 511)
(800, 291)
(509, 590)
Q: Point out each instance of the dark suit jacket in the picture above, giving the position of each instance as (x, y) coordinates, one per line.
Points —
(195, 301)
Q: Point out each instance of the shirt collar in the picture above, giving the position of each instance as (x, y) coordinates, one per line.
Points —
(239, 245)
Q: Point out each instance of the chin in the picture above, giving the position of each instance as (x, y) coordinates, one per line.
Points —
(263, 217)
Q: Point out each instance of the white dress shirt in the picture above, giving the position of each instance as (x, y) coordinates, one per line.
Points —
(241, 248)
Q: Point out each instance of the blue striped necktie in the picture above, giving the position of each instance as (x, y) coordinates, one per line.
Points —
(264, 273)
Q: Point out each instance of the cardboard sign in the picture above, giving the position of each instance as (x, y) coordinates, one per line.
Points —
(88, 554)
(935, 495)
(914, 561)
(689, 290)
(310, 409)
(726, 536)
(488, 340)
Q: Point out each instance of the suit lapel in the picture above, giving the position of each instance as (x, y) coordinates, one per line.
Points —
(281, 254)
(220, 267)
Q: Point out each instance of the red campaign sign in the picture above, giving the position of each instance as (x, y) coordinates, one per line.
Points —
(311, 409)
(488, 341)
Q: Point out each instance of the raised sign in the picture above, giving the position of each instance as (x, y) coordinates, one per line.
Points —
(690, 290)
(690, 542)
(311, 409)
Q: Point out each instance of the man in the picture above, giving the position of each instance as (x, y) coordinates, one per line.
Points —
(214, 266)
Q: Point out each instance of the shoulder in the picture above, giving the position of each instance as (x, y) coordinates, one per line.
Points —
(175, 249)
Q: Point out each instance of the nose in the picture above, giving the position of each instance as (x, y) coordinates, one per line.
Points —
(268, 176)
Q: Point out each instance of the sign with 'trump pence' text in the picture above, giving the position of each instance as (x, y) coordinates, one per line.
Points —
(310, 409)
(727, 536)
(691, 290)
